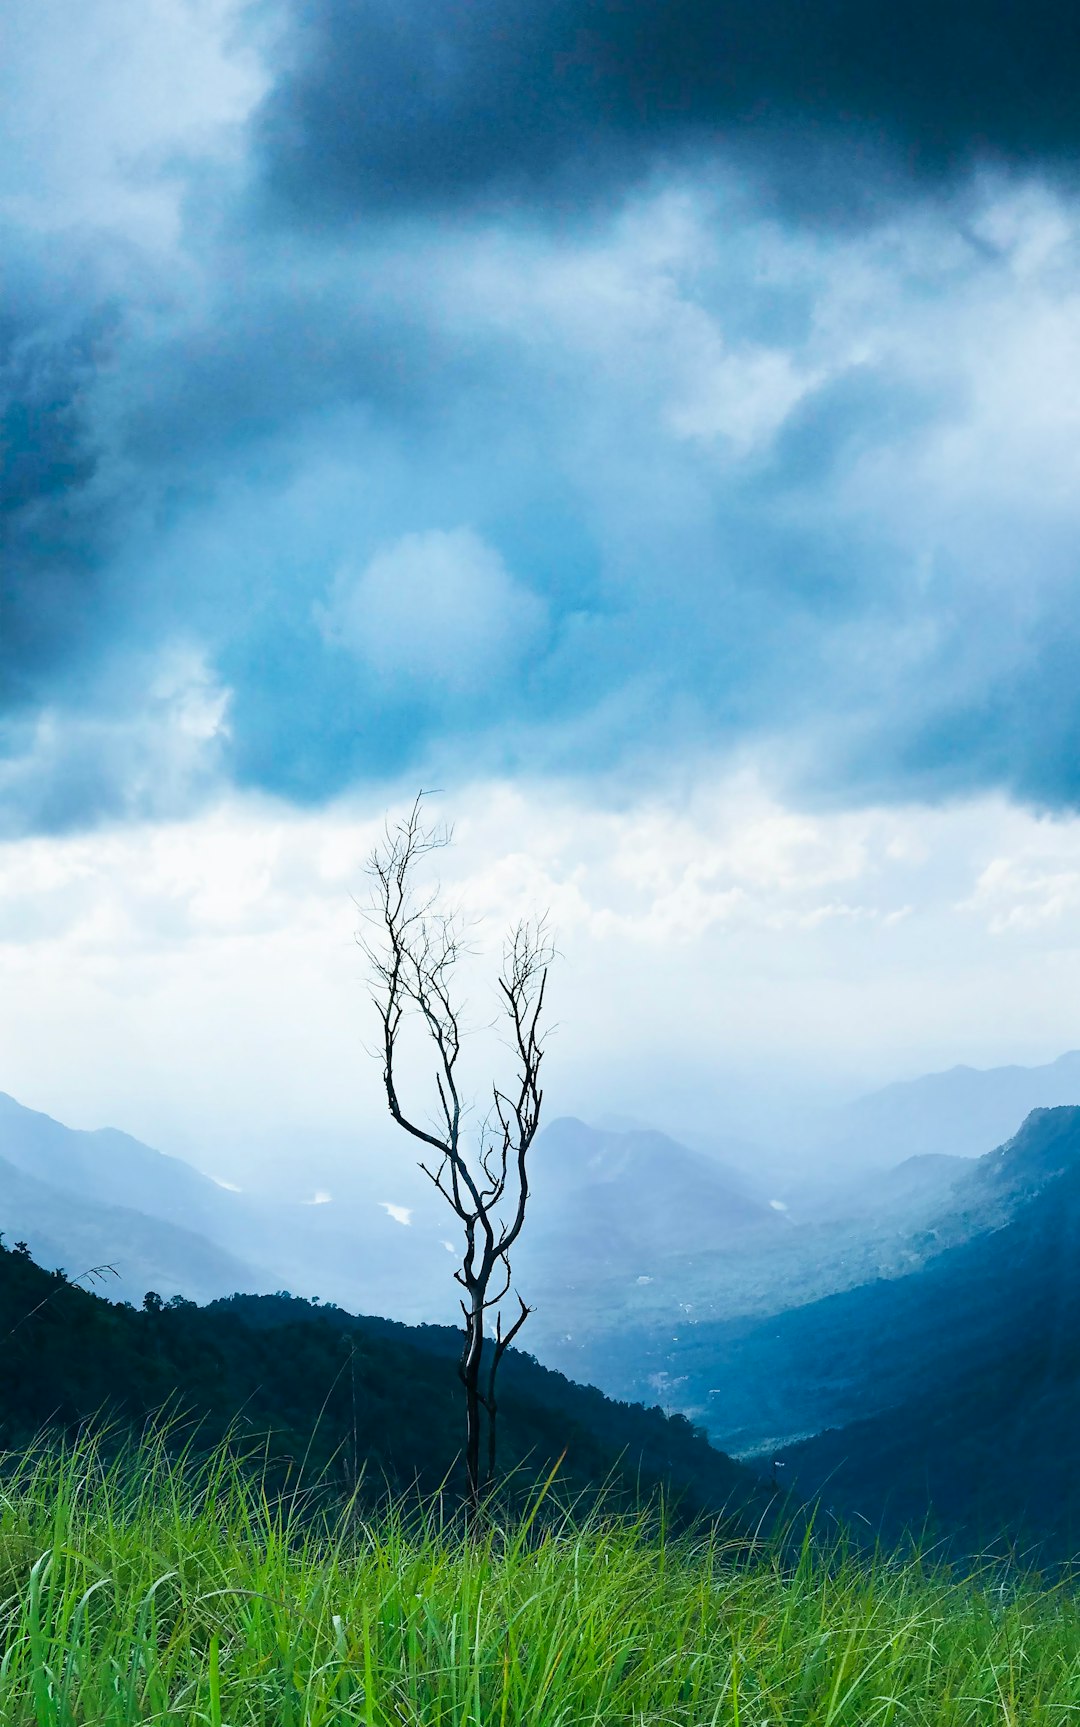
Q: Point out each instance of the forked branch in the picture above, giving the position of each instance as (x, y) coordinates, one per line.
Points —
(413, 945)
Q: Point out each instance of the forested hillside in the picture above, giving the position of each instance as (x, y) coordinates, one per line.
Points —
(993, 1265)
(969, 1373)
(357, 1396)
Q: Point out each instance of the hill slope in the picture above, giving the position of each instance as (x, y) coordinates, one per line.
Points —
(82, 1199)
(379, 1397)
(142, 1252)
(960, 1387)
(614, 1218)
(759, 1383)
(637, 1192)
(87, 1199)
(111, 1168)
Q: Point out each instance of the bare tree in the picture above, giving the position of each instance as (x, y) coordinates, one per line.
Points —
(413, 945)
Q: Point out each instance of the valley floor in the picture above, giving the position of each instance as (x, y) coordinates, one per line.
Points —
(140, 1591)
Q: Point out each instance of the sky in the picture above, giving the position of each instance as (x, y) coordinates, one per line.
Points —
(655, 426)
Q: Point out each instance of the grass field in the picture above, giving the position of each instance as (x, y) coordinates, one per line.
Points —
(141, 1590)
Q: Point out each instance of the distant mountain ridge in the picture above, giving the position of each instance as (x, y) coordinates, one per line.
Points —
(962, 1112)
(120, 1250)
(636, 1192)
(88, 1198)
(954, 1375)
(955, 1388)
(617, 1218)
(77, 1198)
(652, 1266)
(758, 1382)
(604, 1204)
(968, 1372)
(111, 1168)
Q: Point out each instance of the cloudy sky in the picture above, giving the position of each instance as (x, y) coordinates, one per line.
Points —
(657, 425)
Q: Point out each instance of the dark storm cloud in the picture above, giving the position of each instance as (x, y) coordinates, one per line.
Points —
(51, 521)
(749, 475)
(387, 102)
(262, 358)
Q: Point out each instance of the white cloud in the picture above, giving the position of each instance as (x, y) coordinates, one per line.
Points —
(1032, 892)
(743, 396)
(435, 610)
(150, 748)
(643, 332)
(98, 100)
(399, 1213)
(197, 982)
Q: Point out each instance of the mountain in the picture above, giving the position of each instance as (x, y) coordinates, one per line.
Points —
(83, 1199)
(956, 1387)
(649, 1264)
(635, 1193)
(110, 1168)
(616, 1221)
(605, 1206)
(961, 1113)
(909, 1194)
(643, 1238)
(655, 1323)
(351, 1395)
(973, 1405)
(758, 1383)
(610, 1212)
(140, 1252)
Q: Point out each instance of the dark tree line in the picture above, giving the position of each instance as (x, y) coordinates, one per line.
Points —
(311, 1389)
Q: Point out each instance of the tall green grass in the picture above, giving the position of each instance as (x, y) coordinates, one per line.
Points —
(142, 1589)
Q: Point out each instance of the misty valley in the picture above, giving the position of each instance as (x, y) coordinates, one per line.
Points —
(882, 1320)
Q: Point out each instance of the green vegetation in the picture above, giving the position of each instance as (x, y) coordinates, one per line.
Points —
(357, 1397)
(145, 1589)
(292, 1549)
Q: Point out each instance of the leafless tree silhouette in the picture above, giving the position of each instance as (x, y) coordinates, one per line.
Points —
(413, 944)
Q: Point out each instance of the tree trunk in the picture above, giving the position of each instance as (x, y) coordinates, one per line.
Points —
(469, 1370)
(492, 1409)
